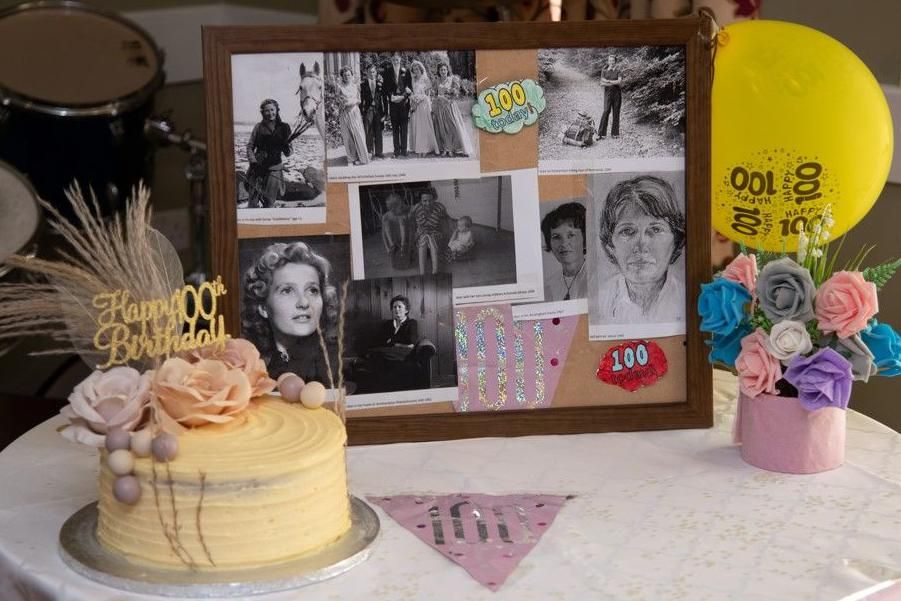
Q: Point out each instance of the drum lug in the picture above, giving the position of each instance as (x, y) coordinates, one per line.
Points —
(117, 129)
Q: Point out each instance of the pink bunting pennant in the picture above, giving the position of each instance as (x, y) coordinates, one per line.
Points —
(486, 534)
(505, 364)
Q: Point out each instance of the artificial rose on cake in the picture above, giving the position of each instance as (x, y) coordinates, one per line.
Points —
(195, 394)
(117, 398)
(809, 330)
(240, 354)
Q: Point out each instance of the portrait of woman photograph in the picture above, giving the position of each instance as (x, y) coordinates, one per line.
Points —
(638, 284)
(563, 237)
(289, 296)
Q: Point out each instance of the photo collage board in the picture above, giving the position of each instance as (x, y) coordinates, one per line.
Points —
(488, 275)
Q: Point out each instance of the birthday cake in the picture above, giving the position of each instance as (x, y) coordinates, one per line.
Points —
(265, 487)
(202, 468)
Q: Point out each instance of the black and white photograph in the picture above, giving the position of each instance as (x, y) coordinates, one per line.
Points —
(290, 290)
(636, 246)
(399, 341)
(480, 231)
(564, 260)
(278, 137)
(612, 109)
(400, 115)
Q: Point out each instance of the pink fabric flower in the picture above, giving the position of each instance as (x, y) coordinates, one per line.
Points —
(105, 400)
(195, 394)
(758, 370)
(845, 303)
(239, 354)
(743, 270)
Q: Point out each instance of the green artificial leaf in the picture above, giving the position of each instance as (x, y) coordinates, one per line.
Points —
(881, 274)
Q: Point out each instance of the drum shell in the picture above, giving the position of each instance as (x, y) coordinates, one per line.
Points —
(53, 128)
(108, 154)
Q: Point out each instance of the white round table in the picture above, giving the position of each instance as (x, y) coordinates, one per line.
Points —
(658, 515)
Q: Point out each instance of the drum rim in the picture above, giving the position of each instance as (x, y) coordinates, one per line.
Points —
(114, 107)
(29, 245)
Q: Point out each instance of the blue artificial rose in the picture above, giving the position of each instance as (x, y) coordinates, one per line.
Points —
(721, 306)
(725, 348)
(885, 344)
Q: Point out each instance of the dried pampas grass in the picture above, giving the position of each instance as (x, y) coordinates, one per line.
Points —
(123, 253)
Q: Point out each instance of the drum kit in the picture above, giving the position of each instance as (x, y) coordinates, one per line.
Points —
(77, 87)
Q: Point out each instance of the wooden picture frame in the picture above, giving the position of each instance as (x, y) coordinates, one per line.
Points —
(691, 405)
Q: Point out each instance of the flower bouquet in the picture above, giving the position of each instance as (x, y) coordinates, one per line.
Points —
(797, 332)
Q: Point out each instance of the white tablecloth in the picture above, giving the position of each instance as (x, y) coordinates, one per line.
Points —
(658, 516)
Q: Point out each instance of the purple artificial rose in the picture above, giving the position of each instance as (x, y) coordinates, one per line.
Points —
(823, 379)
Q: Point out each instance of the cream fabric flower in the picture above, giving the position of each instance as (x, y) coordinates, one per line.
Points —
(115, 398)
(194, 394)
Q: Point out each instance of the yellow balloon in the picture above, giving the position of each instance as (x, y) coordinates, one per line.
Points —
(798, 123)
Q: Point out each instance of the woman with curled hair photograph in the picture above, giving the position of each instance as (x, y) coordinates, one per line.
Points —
(642, 233)
(563, 231)
(288, 294)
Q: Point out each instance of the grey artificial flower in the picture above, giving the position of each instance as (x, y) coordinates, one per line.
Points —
(785, 290)
(856, 352)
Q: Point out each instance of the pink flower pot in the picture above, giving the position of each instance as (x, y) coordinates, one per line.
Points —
(778, 434)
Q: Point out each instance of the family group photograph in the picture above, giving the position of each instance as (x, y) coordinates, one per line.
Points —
(384, 108)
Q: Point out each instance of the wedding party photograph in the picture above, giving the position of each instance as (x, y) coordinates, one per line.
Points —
(400, 115)
(289, 302)
(279, 145)
(466, 228)
(399, 341)
(636, 258)
(612, 109)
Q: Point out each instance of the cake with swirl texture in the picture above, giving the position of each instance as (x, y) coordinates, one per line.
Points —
(264, 488)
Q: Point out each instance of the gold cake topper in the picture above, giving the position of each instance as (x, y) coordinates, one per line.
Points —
(130, 330)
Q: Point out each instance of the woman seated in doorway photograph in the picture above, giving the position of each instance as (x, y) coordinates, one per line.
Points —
(287, 296)
(398, 360)
(642, 232)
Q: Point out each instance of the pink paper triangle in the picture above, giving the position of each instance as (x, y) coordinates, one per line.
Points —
(486, 534)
